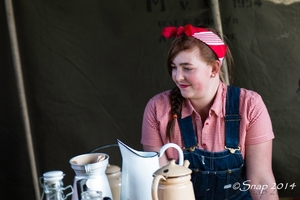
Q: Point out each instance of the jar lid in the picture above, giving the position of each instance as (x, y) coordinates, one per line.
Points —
(112, 169)
(174, 170)
(53, 176)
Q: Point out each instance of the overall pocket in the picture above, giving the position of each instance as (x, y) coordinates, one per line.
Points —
(223, 185)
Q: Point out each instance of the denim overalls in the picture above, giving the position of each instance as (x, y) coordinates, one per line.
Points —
(217, 175)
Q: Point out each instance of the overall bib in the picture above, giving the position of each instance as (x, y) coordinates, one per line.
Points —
(217, 175)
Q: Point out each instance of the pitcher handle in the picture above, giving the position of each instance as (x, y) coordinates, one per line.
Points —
(155, 186)
(166, 146)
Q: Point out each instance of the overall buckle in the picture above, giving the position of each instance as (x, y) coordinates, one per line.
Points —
(232, 150)
(190, 149)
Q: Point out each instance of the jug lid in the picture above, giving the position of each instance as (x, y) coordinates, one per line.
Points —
(174, 170)
(112, 169)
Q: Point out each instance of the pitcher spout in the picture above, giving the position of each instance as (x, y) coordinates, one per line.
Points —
(128, 151)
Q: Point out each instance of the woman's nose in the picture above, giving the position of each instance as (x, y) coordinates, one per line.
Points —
(178, 75)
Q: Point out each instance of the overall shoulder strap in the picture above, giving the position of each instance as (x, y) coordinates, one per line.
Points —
(187, 132)
(232, 118)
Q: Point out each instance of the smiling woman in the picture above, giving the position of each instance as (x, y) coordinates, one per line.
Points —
(216, 125)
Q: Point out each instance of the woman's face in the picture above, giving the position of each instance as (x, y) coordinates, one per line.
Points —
(191, 74)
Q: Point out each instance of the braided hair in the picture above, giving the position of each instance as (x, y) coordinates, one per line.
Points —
(176, 105)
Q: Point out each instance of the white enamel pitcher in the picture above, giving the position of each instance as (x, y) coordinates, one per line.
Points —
(138, 168)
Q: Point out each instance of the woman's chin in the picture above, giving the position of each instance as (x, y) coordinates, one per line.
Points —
(186, 95)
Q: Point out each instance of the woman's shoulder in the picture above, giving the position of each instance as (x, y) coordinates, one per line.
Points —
(248, 94)
(245, 94)
(251, 101)
(159, 104)
(159, 101)
(161, 97)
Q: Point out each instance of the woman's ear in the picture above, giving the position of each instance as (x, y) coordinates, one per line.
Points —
(216, 67)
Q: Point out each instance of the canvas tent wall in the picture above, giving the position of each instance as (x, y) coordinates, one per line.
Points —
(89, 68)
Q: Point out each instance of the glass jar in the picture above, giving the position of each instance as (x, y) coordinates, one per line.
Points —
(53, 186)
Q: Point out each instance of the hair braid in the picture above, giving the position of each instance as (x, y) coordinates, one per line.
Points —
(176, 105)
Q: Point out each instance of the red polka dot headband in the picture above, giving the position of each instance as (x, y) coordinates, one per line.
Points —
(206, 36)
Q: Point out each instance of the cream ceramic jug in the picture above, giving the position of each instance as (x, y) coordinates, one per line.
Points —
(173, 182)
(138, 168)
(114, 174)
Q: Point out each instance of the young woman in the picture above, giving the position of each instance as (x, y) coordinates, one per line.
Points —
(224, 131)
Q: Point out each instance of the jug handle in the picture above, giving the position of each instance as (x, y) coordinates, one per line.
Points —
(155, 186)
(166, 146)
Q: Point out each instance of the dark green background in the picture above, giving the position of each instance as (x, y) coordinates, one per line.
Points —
(91, 66)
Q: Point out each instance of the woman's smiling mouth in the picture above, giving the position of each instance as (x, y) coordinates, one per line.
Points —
(183, 86)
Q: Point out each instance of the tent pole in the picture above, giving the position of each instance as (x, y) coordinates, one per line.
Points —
(21, 90)
(218, 25)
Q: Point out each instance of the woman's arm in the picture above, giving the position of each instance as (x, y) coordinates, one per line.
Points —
(259, 171)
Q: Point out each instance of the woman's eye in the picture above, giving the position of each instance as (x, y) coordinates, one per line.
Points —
(187, 69)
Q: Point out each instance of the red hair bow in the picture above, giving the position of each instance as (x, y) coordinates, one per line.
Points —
(189, 30)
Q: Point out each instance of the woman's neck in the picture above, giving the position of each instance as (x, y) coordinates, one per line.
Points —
(203, 105)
